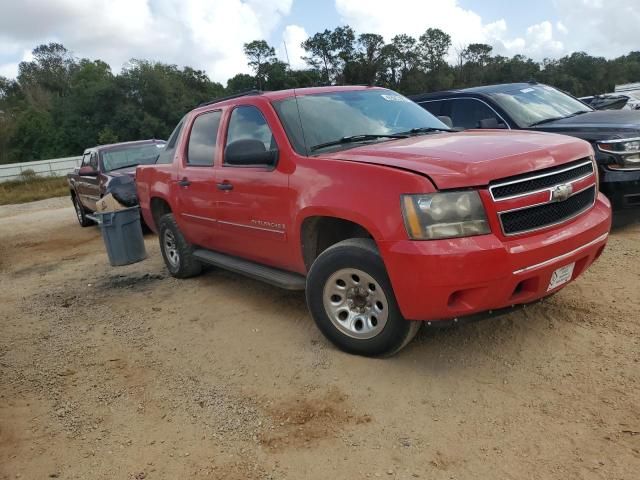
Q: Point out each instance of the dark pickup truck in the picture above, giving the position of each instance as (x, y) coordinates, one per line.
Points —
(614, 134)
(100, 166)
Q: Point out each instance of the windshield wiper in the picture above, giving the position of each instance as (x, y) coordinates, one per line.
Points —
(546, 120)
(553, 119)
(417, 130)
(579, 112)
(357, 138)
(125, 166)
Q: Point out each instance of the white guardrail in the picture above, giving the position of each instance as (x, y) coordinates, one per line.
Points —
(56, 167)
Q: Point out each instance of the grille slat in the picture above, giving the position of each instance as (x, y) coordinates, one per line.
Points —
(540, 216)
(527, 185)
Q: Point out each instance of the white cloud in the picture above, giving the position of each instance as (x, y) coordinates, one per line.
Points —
(562, 28)
(607, 28)
(412, 17)
(599, 27)
(537, 43)
(9, 70)
(209, 34)
(465, 26)
(204, 34)
(293, 36)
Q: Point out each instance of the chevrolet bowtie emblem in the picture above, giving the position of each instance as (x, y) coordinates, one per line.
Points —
(560, 193)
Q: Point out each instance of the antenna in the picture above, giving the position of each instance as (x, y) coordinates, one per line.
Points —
(286, 52)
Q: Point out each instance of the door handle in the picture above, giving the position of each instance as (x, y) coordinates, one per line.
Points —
(184, 182)
(225, 186)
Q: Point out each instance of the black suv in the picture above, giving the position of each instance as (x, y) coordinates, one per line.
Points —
(614, 134)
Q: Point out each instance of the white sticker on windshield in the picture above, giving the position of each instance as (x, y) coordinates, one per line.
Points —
(160, 145)
(395, 98)
(527, 90)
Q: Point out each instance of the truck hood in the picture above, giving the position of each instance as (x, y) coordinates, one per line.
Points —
(128, 171)
(471, 158)
(598, 125)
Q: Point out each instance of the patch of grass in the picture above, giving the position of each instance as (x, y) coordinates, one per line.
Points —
(31, 188)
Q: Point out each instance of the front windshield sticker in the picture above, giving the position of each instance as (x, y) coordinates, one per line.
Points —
(395, 98)
(527, 90)
(160, 145)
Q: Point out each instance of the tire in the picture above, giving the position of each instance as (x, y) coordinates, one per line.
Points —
(80, 213)
(176, 251)
(350, 298)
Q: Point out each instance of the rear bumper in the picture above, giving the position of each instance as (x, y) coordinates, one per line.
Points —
(621, 187)
(445, 279)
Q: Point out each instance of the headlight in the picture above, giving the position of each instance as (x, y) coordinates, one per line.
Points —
(444, 215)
(627, 152)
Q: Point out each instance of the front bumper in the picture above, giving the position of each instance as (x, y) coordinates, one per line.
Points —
(622, 187)
(445, 279)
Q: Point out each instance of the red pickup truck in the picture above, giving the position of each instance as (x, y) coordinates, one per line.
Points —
(373, 206)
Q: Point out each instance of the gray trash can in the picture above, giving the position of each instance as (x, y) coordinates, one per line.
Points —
(122, 235)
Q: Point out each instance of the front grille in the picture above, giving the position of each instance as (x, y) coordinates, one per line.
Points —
(543, 180)
(532, 218)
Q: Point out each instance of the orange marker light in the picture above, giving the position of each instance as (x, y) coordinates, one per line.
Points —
(411, 217)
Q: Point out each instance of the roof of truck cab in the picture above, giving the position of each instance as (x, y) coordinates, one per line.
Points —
(282, 94)
(482, 90)
(102, 148)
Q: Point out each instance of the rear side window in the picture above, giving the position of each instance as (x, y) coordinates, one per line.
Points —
(93, 161)
(166, 155)
(202, 141)
(468, 112)
(434, 107)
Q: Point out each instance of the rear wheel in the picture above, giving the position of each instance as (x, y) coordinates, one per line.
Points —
(176, 251)
(352, 302)
(80, 213)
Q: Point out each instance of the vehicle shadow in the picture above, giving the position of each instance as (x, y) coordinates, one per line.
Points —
(625, 218)
(435, 348)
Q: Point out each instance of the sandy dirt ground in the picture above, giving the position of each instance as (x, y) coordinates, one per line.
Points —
(127, 373)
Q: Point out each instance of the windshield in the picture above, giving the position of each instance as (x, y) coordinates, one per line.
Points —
(538, 103)
(328, 117)
(130, 156)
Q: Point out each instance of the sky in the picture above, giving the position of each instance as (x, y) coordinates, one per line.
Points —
(210, 34)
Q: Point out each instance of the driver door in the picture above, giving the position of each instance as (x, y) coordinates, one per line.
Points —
(252, 205)
(88, 187)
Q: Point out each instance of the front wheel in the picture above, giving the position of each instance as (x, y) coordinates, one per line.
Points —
(351, 300)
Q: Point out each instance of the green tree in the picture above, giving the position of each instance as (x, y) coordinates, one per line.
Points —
(477, 53)
(329, 51)
(434, 48)
(107, 136)
(260, 54)
(59, 105)
(240, 83)
(367, 61)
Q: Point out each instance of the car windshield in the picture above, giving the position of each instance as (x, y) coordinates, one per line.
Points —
(130, 156)
(536, 104)
(319, 120)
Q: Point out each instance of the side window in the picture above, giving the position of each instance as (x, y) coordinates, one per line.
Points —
(166, 155)
(248, 123)
(202, 140)
(93, 161)
(468, 113)
(434, 107)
